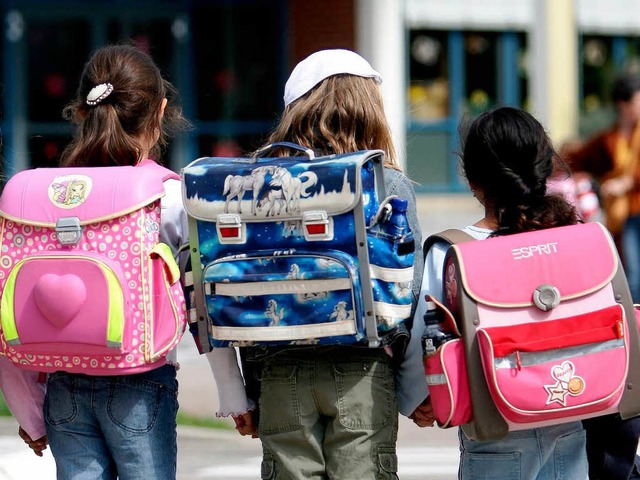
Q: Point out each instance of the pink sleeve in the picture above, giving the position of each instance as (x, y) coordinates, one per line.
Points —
(24, 396)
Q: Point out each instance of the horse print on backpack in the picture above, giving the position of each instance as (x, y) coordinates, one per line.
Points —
(295, 250)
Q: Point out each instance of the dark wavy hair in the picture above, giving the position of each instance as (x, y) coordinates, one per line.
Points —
(508, 157)
(110, 133)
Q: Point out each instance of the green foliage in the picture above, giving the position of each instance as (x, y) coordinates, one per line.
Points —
(4, 410)
(206, 422)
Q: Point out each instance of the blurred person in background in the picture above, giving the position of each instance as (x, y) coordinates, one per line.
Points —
(612, 157)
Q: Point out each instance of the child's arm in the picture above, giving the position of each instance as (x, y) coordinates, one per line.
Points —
(232, 395)
(24, 395)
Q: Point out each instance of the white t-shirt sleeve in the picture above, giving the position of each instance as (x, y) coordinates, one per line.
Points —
(232, 396)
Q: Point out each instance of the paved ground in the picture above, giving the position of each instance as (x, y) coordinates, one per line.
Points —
(205, 454)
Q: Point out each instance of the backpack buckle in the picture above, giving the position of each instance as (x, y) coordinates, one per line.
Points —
(231, 229)
(68, 230)
(317, 225)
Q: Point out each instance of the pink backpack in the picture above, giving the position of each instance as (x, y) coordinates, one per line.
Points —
(544, 332)
(87, 287)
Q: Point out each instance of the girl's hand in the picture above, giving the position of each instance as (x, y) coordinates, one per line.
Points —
(38, 446)
(423, 415)
(245, 425)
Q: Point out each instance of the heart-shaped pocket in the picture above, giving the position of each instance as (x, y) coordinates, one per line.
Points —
(59, 297)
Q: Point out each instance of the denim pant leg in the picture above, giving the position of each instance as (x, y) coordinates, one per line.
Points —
(113, 427)
(75, 438)
(138, 418)
(631, 255)
(549, 453)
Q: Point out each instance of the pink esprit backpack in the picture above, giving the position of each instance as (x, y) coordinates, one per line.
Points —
(543, 332)
(87, 287)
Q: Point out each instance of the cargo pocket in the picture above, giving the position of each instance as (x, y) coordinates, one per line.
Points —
(279, 406)
(268, 467)
(387, 463)
(366, 393)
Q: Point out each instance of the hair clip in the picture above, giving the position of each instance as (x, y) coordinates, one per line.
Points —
(99, 93)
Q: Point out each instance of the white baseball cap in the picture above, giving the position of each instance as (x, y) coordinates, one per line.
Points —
(323, 64)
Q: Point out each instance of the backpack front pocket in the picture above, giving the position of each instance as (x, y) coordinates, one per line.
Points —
(293, 298)
(446, 372)
(168, 317)
(558, 368)
(78, 306)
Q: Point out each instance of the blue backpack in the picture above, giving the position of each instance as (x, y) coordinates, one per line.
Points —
(296, 250)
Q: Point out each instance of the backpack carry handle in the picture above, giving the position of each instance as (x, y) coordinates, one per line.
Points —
(293, 146)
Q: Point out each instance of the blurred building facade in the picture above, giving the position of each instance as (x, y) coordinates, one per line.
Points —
(441, 60)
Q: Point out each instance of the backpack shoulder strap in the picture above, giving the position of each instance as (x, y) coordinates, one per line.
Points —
(450, 236)
(163, 172)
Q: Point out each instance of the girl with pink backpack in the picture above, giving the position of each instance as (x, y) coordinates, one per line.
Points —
(111, 395)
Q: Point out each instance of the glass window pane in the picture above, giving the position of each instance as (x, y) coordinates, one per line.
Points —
(428, 72)
(523, 72)
(632, 54)
(57, 53)
(429, 154)
(45, 150)
(480, 72)
(235, 63)
(151, 36)
(236, 146)
(598, 72)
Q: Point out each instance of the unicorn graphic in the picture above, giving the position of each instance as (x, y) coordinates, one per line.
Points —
(293, 188)
(273, 314)
(340, 312)
(236, 185)
(273, 200)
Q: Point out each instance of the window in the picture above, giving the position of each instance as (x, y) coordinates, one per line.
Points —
(454, 74)
(237, 74)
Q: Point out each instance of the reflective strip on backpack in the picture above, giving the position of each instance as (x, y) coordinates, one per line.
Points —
(527, 359)
(392, 275)
(392, 310)
(245, 289)
(436, 379)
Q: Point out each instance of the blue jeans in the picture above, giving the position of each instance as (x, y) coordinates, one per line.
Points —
(103, 427)
(557, 452)
(631, 255)
(328, 412)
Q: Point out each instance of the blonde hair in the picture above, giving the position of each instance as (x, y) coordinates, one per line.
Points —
(343, 113)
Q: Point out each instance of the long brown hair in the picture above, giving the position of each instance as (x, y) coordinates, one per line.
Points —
(343, 113)
(112, 132)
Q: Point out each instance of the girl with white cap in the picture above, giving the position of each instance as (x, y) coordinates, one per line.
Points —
(331, 411)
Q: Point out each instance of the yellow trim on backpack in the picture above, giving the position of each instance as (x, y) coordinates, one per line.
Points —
(164, 252)
(7, 318)
(115, 323)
